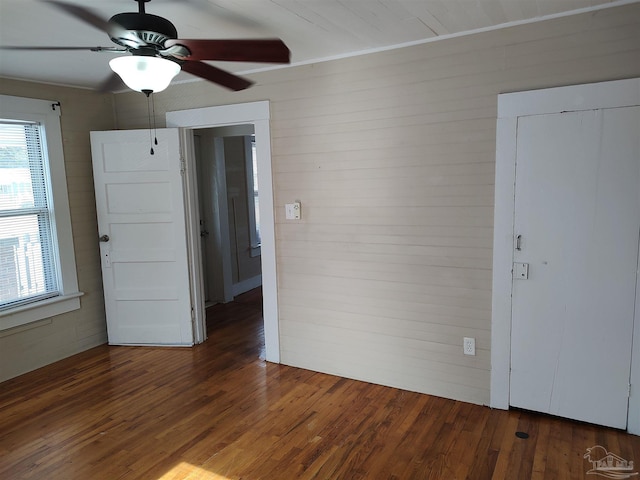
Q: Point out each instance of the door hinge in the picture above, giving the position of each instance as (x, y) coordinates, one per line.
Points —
(629, 391)
(183, 166)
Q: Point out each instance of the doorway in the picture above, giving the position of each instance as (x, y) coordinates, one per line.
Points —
(228, 199)
(258, 115)
(577, 223)
(564, 105)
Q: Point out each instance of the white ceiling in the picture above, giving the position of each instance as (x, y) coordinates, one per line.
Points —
(312, 29)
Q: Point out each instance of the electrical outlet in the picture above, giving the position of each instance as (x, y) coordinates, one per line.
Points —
(469, 345)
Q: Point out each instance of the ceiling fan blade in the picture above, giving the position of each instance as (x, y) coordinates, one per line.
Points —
(93, 49)
(268, 51)
(87, 16)
(213, 74)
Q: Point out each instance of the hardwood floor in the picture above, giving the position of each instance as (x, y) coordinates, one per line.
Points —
(219, 411)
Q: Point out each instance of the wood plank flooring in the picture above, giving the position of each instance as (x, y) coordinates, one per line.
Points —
(219, 411)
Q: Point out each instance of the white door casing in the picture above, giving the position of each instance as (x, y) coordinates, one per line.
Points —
(140, 207)
(511, 107)
(577, 217)
(192, 236)
(257, 114)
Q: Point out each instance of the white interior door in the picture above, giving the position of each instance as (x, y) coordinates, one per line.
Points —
(140, 205)
(577, 211)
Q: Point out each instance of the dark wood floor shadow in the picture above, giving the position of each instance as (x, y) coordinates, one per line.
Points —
(219, 411)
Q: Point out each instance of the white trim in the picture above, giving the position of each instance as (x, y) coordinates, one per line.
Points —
(510, 107)
(155, 345)
(246, 285)
(502, 262)
(32, 312)
(258, 114)
(220, 116)
(589, 96)
(633, 418)
(47, 113)
(196, 279)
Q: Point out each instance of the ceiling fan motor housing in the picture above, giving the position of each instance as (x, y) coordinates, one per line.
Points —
(151, 29)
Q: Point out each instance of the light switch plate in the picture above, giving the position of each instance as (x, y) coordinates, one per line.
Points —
(292, 211)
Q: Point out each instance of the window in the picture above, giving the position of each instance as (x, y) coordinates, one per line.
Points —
(252, 192)
(37, 264)
(28, 268)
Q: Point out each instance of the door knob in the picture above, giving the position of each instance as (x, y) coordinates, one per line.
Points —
(104, 238)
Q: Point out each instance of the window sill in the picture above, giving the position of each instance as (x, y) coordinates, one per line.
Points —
(33, 312)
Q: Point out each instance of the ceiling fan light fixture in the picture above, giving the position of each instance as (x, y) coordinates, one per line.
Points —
(145, 73)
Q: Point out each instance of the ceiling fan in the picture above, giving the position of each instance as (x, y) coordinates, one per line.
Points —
(153, 42)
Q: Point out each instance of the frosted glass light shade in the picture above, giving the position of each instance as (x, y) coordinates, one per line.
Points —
(145, 73)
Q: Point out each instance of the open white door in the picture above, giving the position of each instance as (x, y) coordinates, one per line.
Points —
(143, 248)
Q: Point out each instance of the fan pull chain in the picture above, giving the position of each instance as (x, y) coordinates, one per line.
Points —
(148, 93)
(155, 130)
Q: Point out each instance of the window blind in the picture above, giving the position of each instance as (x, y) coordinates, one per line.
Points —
(28, 270)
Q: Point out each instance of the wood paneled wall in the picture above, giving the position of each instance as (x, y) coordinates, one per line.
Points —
(26, 348)
(392, 156)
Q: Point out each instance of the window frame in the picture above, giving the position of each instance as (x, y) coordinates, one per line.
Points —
(47, 113)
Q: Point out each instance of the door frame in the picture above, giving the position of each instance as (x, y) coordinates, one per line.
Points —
(511, 106)
(257, 114)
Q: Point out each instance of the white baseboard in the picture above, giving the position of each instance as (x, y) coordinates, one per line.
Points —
(246, 285)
